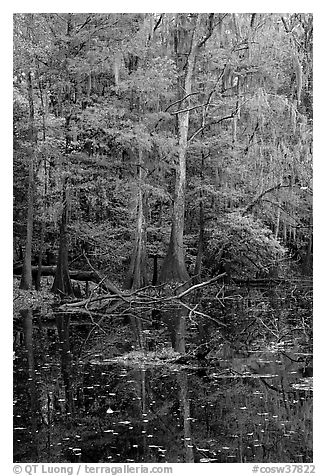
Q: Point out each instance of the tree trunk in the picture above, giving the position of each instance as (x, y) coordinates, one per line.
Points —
(175, 320)
(200, 249)
(155, 270)
(174, 268)
(180, 330)
(137, 276)
(26, 279)
(62, 283)
(39, 264)
(278, 219)
(42, 232)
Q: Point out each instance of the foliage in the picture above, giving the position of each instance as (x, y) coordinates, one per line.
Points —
(248, 246)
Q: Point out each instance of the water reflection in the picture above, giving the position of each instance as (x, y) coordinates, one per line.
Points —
(244, 407)
(27, 318)
(62, 322)
(182, 380)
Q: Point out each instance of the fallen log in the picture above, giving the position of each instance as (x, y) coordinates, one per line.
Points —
(51, 270)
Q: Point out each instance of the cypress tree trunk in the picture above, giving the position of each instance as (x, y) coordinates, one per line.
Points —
(278, 219)
(155, 269)
(39, 263)
(180, 330)
(42, 232)
(62, 283)
(174, 268)
(26, 279)
(200, 249)
(137, 276)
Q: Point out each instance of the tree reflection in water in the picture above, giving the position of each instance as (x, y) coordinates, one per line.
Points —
(242, 407)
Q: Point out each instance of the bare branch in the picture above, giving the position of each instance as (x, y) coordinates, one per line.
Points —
(209, 32)
(180, 100)
(210, 124)
(286, 28)
(158, 22)
(200, 285)
(211, 27)
(202, 314)
(261, 195)
(108, 284)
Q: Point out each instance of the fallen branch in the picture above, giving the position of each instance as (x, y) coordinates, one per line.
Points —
(95, 323)
(193, 311)
(200, 285)
(108, 284)
(139, 300)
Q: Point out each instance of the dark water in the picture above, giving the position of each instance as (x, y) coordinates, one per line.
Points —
(71, 405)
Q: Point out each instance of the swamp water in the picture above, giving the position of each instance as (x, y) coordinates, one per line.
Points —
(246, 404)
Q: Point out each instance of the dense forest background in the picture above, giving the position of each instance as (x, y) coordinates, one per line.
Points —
(161, 148)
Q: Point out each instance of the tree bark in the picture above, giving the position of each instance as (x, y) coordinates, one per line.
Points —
(42, 232)
(62, 283)
(278, 219)
(174, 268)
(155, 269)
(200, 249)
(26, 279)
(138, 267)
(39, 264)
(137, 276)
